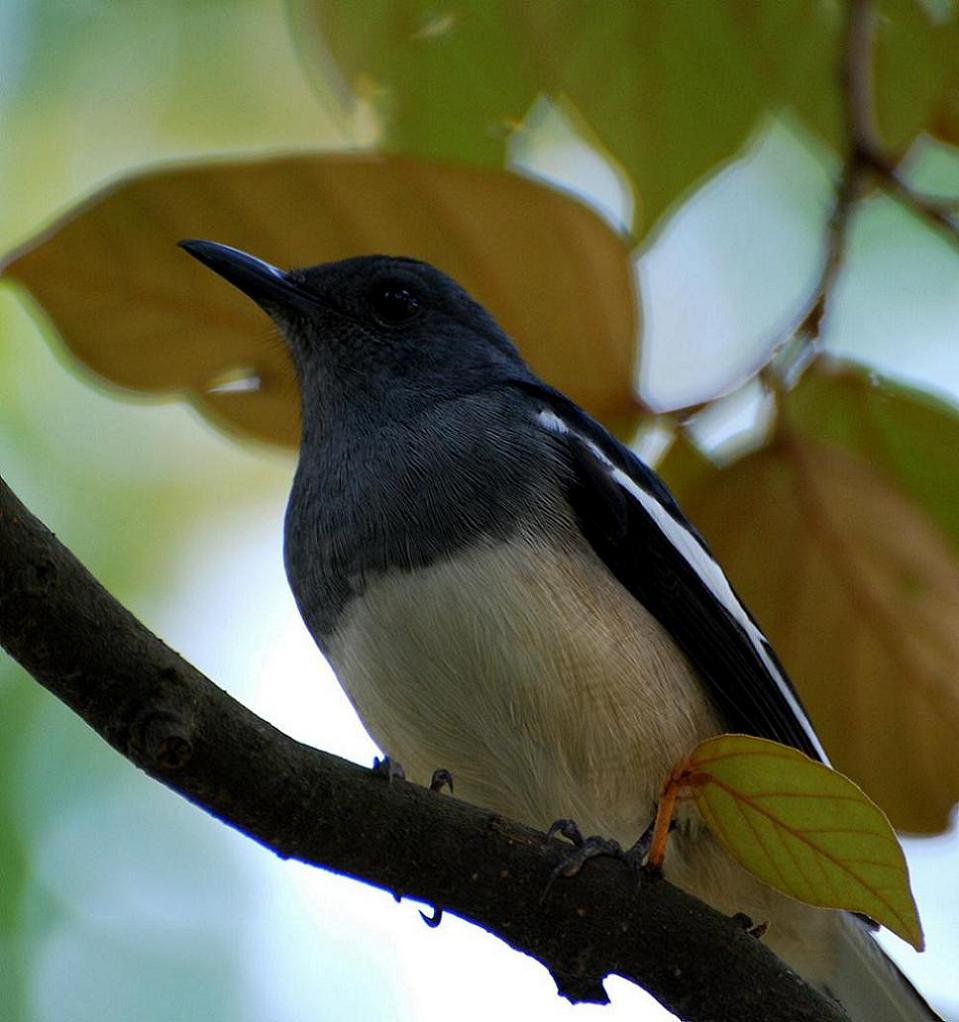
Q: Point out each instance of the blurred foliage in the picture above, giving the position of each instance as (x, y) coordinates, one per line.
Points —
(797, 50)
(87, 90)
(861, 594)
(555, 275)
(502, 236)
(634, 71)
(660, 97)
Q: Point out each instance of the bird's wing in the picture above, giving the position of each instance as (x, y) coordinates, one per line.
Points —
(636, 528)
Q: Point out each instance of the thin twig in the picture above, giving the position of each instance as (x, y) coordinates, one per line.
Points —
(855, 76)
(837, 231)
(865, 146)
(865, 159)
(856, 84)
(935, 212)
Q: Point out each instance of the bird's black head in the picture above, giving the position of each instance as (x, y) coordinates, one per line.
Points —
(373, 329)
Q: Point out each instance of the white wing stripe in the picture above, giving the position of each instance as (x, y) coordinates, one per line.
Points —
(700, 561)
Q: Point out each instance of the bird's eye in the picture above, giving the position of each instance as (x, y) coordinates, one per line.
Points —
(394, 305)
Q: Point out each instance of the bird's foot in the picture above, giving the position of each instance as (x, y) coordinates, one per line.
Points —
(588, 848)
(584, 849)
(435, 919)
(757, 930)
(441, 778)
(388, 768)
(638, 854)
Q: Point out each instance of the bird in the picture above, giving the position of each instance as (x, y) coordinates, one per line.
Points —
(505, 590)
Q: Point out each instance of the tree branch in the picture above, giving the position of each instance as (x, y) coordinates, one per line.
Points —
(936, 212)
(865, 159)
(866, 149)
(855, 88)
(172, 722)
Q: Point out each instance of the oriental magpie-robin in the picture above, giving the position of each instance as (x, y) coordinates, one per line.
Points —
(505, 590)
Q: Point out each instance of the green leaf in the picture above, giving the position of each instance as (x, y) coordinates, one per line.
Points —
(945, 123)
(916, 52)
(667, 89)
(804, 829)
(670, 91)
(445, 83)
(797, 48)
(19, 700)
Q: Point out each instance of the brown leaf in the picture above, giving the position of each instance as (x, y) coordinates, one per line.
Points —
(858, 590)
(135, 309)
(910, 436)
(945, 124)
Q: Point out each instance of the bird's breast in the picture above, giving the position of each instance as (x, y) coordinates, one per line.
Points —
(527, 670)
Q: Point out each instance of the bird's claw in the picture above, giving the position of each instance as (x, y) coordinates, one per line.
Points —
(569, 829)
(441, 778)
(435, 919)
(757, 930)
(586, 848)
(388, 768)
(637, 852)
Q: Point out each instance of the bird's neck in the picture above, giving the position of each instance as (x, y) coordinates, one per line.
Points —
(380, 494)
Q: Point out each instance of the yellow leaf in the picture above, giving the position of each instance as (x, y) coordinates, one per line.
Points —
(804, 829)
(133, 307)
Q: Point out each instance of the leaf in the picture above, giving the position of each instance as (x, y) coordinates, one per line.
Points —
(841, 536)
(19, 703)
(945, 124)
(916, 51)
(912, 437)
(670, 91)
(444, 82)
(804, 829)
(132, 307)
(666, 88)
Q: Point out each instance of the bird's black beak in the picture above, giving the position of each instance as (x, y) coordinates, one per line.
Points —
(265, 284)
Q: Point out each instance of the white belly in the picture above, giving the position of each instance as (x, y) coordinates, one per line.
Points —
(548, 692)
(532, 675)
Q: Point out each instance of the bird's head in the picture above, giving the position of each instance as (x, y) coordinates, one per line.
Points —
(372, 329)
